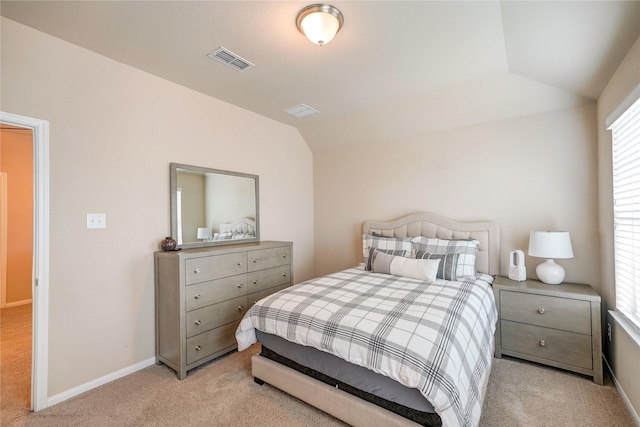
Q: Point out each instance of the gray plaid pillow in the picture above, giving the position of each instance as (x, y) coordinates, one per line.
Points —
(448, 264)
(466, 248)
(384, 244)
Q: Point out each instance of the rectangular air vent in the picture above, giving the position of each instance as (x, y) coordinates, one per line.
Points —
(301, 110)
(230, 59)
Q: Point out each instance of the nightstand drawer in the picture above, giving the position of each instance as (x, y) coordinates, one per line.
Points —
(552, 312)
(550, 344)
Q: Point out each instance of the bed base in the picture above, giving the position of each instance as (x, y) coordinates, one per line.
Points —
(340, 404)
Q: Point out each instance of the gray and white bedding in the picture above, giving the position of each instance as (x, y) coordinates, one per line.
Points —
(432, 335)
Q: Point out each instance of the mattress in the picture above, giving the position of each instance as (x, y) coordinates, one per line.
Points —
(356, 380)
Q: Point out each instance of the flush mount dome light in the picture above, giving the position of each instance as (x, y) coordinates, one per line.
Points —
(319, 22)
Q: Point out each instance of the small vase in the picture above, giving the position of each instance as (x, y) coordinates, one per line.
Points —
(168, 244)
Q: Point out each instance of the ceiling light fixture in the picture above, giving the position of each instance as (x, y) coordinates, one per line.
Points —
(319, 22)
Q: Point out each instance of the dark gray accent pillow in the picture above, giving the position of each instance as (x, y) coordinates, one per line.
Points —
(397, 252)
(448, 263)
(381, 261)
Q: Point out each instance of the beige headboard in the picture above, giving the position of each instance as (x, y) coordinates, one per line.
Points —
(431, 225)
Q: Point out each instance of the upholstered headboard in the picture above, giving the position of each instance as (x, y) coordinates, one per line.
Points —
(435, 226)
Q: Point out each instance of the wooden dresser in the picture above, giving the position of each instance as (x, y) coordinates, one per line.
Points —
(201, 295)
(557, 325)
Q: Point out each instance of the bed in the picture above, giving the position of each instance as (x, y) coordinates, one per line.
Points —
(408, 348)
(244, 228)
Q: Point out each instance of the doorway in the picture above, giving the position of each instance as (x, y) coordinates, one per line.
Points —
(40, 249)
(16, 269)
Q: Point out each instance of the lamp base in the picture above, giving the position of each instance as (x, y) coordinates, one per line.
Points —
(550, 273)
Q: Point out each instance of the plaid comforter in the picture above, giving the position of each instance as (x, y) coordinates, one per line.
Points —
(435, 337)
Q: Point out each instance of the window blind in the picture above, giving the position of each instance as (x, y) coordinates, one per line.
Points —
(626, 211)
(179, 215)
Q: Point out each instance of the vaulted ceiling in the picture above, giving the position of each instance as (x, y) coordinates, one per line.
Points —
(396, 69)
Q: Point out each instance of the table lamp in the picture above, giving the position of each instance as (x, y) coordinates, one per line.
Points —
(549, 245)
(204, 233)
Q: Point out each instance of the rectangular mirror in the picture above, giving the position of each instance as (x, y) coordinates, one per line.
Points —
(213, 207)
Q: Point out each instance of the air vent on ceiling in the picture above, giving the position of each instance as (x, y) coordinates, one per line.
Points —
(230, 59)
(301, 110)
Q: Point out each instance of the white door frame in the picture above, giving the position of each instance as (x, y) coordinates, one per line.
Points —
(40, 276)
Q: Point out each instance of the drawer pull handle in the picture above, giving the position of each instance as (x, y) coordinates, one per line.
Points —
(198, 322)
(239, 264)
(542, 343)
(198, 296)
(239, 285)
(197, 270)
(255, 261)
(255, 282)
(240, 308)
(284, 275)
(541, 310)
(284, 256)
(198, 348)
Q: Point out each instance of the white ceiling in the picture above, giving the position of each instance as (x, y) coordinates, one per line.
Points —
(396, 68)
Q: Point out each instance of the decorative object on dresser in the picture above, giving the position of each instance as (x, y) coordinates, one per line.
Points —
(549, 245)
(168, 244)
(556, 325)
(201, 295)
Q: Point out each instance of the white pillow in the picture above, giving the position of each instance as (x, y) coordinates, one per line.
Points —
(422, 269)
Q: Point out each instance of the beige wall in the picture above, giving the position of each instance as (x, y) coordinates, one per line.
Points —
(113, 132)
(622, 354)
(16, 154)
(534, 172)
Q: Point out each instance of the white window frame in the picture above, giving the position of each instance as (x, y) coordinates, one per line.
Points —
(624, 123)
(179, 215)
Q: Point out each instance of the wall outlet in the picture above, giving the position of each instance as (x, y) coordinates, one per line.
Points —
(609, 331)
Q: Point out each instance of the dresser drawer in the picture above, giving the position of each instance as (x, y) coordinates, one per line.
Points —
(550, 344)
(267, 258)
(257, 296)
(203, 319)
(542, 310)
(215, 291)
(214, 267)
(263, 279)
(215, 340)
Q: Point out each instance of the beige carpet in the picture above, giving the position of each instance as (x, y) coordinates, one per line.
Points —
(222, 393)
(15, 362)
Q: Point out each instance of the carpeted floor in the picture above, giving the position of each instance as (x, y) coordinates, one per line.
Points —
(15, 362)
(222, 393)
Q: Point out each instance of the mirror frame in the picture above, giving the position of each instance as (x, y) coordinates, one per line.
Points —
(173, 188)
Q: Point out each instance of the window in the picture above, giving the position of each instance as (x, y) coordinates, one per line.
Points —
(179, 215)
(625, 126)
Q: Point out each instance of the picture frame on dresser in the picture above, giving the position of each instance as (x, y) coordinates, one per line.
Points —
(555, 325)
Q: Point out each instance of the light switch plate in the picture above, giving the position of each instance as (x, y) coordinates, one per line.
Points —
(95, 221)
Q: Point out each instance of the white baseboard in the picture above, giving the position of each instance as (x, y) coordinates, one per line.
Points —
(625, 399)
(61, 397)
(17, 303)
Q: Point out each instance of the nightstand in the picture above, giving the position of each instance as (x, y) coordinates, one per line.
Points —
(556, 325)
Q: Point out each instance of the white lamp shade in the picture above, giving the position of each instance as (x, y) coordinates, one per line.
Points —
(204, 233)
(550, 244)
